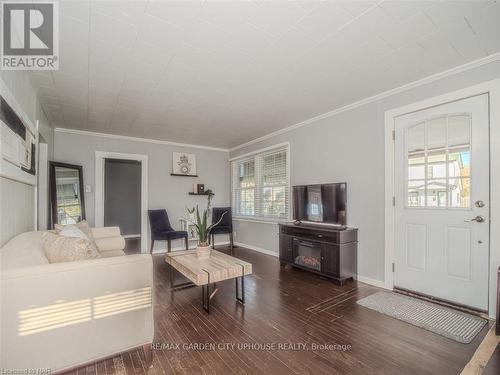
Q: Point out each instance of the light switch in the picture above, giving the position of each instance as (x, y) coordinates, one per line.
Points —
(88, 189)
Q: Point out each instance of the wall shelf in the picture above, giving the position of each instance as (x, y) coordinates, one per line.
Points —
(183, 175)
(191, 193)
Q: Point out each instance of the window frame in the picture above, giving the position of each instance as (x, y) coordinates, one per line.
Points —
(259, 186)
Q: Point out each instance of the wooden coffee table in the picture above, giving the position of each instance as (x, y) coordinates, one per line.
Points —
(207, 272)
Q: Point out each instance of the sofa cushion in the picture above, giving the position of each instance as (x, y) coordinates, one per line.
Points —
(24, 250)
(105, 244)
(67, 249)
(111, 253)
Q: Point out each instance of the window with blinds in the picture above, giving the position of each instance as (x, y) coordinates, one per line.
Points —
(260, 185)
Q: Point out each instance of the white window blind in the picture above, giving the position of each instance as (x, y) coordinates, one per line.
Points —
(260, 185)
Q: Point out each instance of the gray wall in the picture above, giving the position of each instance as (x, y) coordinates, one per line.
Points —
(164, 191)
(17, 203)
(350, 147)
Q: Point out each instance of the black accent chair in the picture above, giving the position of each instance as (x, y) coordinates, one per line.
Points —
(224, 227)
(161, 230)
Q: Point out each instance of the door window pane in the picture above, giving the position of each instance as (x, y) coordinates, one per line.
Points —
(436, 133)
(436, 164)
(439, 162)
(416, 137)
(458, 130)
(459, 163)
(459, 193)
(416, 166)
(416, 193)
(436, 193)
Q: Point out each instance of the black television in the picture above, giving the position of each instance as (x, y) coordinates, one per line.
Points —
(321, 203)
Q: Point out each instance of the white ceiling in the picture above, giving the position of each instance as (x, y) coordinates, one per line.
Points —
(223, 73)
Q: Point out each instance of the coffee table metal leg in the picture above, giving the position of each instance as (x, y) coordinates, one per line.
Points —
(242, 277)
(186, 284)
(205, 295)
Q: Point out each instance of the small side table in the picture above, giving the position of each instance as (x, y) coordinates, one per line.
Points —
(191, 230)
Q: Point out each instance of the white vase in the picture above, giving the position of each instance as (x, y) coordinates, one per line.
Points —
(203, 252)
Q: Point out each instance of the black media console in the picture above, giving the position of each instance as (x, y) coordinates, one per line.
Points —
(328, 251)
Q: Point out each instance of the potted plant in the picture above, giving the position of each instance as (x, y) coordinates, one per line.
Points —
(203, 229)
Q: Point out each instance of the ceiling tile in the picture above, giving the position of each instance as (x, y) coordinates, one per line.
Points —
(401, 10)
(130, 12)
(325, 20)
(178, 13)
(356, 8)
(160, 34)
(450, 11)
(79, 10)
(112, 30)
(265, 16)
(227, 14)
(486, 25)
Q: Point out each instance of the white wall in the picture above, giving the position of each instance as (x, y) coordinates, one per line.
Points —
(349, 147)
(164, 191)
(17, 207)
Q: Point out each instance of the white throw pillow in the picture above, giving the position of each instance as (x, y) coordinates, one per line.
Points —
(72, 231)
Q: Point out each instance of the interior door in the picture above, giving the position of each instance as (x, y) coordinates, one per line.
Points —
(442, 202)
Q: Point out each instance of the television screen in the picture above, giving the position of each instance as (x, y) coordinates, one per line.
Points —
(322, 203)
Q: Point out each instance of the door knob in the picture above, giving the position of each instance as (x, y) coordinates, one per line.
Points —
(479, 204)
(477, 219)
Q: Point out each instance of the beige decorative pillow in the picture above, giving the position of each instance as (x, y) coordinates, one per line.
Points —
(85, 228)
(67, 249)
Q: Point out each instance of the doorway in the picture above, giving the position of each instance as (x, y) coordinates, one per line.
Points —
(121, 194)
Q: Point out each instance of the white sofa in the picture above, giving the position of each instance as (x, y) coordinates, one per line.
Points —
(62, 315)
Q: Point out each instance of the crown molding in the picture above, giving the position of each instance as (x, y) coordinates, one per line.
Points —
(136, 139)
(423, 81)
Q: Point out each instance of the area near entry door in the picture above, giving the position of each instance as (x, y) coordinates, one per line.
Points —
(442, 202)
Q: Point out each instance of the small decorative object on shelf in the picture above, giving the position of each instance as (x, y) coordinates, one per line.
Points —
(202, 228)
(199, 188)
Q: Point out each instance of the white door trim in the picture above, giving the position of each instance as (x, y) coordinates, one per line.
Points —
(492, 88)
(99, 190)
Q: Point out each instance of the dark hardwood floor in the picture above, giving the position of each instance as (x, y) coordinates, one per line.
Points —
(284, 305)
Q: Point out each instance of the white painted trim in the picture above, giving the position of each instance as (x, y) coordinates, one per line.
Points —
(261, 150)
(424, 81)
(99, 190)
(492, 88)
(258, 249)
(136, 139)
(373, 282)
(126, 236)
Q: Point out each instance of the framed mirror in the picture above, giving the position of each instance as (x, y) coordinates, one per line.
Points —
(66, 193)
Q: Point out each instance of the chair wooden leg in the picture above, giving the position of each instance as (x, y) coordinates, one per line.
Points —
(169, 245)
(148, 355)
(213, 241)
(187, 243)
(152, 244)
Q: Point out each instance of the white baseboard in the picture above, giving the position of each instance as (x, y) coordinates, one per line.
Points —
(179, 248)
(373, 282)
(259, 249)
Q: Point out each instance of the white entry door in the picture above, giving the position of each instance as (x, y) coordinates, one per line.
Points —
(442, 202)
